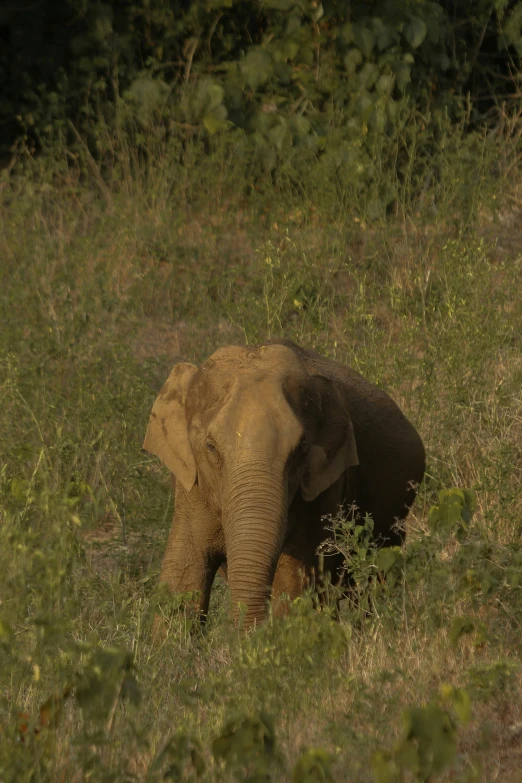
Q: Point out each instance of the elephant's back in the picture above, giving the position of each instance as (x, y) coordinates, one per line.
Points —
(373, 411)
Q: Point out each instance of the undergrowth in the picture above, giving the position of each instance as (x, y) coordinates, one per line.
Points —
(107, 279)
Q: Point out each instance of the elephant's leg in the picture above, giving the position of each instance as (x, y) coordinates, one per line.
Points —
(291, 577)
(193, 552)
(295, 574)
(187, 566)
(300, 566)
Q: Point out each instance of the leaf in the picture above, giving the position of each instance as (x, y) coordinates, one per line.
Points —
(208, 99)
(314, 10)
(430, 743)
(452, 510)
(6, 632)
(377, 124)
(313, 766)
(415, 31)
(386, 34)
(470, 499)
(363, 108)
(459, 699)
(20, 489)
(263, 122)
(386, 557)
(407, 757)
(460, 626)
(392, 109)
(277, 134)
(512, 28)
(213, 124)
(493, 678)
(107, 676)
(352, 59)
(402, 75)
(443, 61)
(364, 39)
(290, 49)
(103, 21)
(306, 55)
(368, 75)
(148, 92)
(215, 94)
(280, 5)
(346, 33)
(462, 705)
(282, 72)
(301, 125)
(182, 753)
(245, 737)
(257, 67)
(385, 84)
(452, 495)
(374, 209)
(384, 768)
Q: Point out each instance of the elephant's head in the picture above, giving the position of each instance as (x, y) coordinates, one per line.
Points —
(244, 433)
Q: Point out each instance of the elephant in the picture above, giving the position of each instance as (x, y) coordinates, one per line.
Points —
(263, 442)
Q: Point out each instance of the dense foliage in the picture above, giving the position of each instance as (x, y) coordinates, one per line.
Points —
(281, 71)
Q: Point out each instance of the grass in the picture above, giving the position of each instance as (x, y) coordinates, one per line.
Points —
(102, 290)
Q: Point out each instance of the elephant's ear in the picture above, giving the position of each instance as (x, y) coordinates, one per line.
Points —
(167, 433)
(334, 448)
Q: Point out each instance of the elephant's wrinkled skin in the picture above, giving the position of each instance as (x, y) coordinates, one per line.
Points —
(263, 442)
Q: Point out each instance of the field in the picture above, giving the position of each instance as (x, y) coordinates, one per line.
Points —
(107, 279)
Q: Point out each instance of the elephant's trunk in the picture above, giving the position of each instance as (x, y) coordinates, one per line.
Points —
(255, 525)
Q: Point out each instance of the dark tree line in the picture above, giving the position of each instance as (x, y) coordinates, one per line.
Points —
(280, 69)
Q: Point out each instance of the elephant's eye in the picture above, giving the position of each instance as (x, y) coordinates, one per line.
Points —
(211, 448)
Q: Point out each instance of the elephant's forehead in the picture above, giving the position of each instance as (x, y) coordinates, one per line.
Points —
(236, 360)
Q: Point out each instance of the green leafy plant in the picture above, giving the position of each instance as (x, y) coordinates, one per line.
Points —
(290, 81)
(429, 743)
(181, 758)
(454, 511)
(498, 677)
(313, 766)
(466, 626)
(247, 748)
